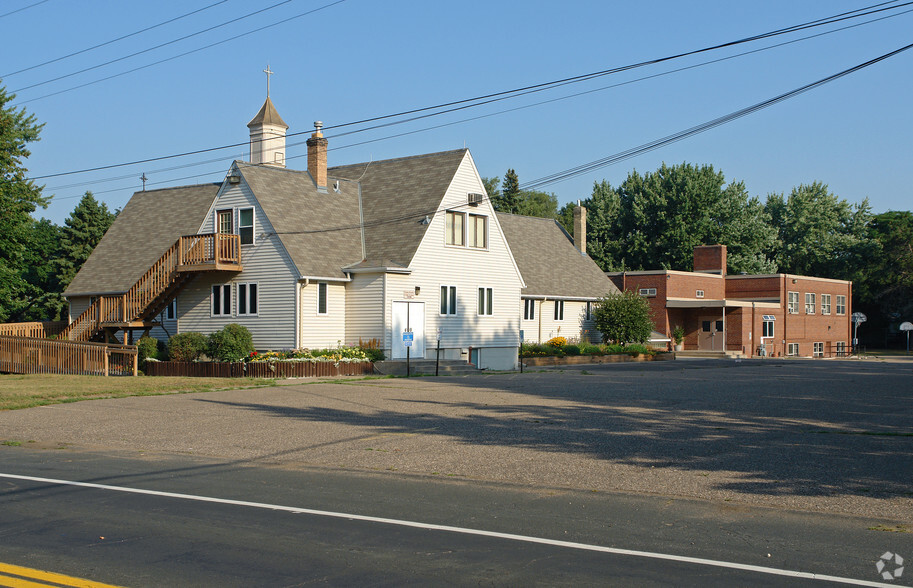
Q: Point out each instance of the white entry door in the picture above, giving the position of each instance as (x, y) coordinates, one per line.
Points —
(409, 315)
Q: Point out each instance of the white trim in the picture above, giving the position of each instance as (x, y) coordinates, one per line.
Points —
(323, 279)
(487, 300)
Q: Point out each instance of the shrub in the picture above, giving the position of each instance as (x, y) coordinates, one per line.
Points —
(374, 354)
(558, 342)
(187, 346)
(678, 334)
(571, 349)
(624, 318)
(232, 343)
(147, 348)
(590, 349)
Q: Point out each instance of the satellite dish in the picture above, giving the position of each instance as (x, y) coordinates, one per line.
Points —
(906, 326)
(858, 317)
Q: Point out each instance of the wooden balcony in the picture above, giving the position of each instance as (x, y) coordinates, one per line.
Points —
(209, 252)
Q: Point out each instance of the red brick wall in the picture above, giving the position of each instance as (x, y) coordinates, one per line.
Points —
(686, 286)
(710, 258)
(657, 303)
(751, 287)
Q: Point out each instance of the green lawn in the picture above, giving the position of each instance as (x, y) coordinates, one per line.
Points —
(26, 391)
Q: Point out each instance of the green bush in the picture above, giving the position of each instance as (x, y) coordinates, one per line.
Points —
(624, 317)
(232, 343)
(571, 349)
(147, 348)
(374, 354)
(187, 346)
(590, 349)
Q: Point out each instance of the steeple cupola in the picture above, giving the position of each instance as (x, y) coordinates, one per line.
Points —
(267, 133)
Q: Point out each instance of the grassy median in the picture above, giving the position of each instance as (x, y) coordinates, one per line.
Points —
(26, 391)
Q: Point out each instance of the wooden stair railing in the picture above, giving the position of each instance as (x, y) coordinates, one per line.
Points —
(155, 289)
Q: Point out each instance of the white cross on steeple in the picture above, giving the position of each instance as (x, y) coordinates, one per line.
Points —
(268, 73)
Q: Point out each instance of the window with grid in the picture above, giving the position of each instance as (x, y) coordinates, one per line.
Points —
(793, 302)
(792, 349)
(809, 303)
(818, 349)
(841, 304)
(825, 304)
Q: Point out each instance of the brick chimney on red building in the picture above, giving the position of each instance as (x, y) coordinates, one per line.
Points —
(710, 259)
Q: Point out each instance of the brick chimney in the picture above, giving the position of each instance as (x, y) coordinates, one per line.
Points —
(580, 227)
(710, 259)
(317, 157)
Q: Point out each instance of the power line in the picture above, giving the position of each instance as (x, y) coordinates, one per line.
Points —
(147, 50)
(690, 132)
(127, 36)
(34, 4)
(506, 94)
(452, 123)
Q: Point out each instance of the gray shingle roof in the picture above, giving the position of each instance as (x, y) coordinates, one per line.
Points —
(397, 194)
(147, 226)
(320, 231)
(549, 262)
(268, 115)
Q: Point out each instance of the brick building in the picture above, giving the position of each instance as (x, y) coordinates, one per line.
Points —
(774, 314)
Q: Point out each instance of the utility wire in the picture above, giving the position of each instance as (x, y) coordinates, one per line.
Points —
(159, 46)
(488, 98)
(695, 130)
(451, 123)
(127, 36)
(34, 4)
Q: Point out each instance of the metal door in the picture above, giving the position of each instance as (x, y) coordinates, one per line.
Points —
(409, 315)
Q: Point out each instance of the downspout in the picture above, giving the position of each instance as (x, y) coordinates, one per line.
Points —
(784, 302)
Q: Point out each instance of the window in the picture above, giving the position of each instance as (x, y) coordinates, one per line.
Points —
(793, 302)
(841, 349)
(221, 300)
(224, 222)
(170, 311)
(825, 304)
(841, 304)
(792, 349)
(559, 310)
(485, 300)
(767, 329)
(699, 294)
(819, 350)
(529, 310)
(247, 298)
(588, 312)
(809, 303)
(322, 298)
(647, 291)
(448, 300)
(719, 326)
(246, 225)
(478, 231)
(453, 228)
(705, 326)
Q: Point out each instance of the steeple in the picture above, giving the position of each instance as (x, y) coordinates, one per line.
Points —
(267, 133)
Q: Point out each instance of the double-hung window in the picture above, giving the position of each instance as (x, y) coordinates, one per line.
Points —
(448, 300)
(454, 228)
(841, 304)
(246, 225)
(792, 349)
(559, 310)
(478, 231)
(818, 349)
(221, 300)
(767, 328)
(825, 304)
(171, 310)
(247, 298)
(647, 291)
(809, 303)
(529, 310)
(486, 296)
(793, 298)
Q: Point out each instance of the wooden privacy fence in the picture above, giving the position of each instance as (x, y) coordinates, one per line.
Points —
(25, 355)
(35, 329)
(258, 369)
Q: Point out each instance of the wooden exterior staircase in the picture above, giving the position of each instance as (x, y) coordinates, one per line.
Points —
(141, 304)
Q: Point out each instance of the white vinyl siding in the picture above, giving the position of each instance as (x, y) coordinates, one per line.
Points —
(265, 263)
(365, 308)
(437, 264)
(323, 329)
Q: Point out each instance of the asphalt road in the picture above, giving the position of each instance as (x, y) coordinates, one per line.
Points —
(806, 461)
(134, 539)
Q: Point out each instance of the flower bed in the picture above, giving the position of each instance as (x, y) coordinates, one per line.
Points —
(585, 359)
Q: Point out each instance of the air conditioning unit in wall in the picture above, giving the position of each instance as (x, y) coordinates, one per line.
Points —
(475, 199)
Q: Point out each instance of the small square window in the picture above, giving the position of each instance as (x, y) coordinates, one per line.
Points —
(699, 294)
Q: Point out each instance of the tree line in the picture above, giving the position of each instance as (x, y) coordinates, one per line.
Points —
(655, 219)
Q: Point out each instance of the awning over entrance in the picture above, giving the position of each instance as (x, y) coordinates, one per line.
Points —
(717, 303)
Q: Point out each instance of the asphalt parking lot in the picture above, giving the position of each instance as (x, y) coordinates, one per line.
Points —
(822, 436)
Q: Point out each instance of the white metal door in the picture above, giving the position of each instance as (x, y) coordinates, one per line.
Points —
(409, 315)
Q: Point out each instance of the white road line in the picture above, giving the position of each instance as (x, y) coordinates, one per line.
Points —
(461, 530)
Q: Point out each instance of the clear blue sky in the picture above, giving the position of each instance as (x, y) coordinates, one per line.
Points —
(364, 58)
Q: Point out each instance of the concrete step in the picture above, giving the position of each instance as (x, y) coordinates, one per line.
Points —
(447, 367)
(710, 354)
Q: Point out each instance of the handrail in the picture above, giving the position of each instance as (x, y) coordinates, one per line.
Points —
(189, 250)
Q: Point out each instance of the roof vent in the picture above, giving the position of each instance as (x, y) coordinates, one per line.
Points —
(336, 186)
(475, 199)
(234, 178)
